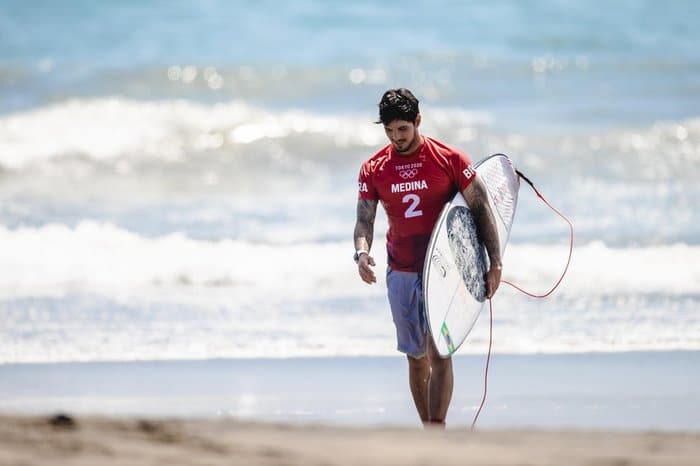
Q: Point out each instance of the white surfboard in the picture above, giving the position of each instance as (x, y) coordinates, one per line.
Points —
(454, 288)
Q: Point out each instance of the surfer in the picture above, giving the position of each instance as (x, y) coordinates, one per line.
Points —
(414, 176)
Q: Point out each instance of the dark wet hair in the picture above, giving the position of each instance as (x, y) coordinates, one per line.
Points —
(398, 104)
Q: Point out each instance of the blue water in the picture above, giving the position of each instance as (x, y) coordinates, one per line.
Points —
(168, 169)
(631, 61)
(607, 391)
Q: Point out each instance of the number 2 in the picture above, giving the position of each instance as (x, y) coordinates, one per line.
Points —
(412, 208)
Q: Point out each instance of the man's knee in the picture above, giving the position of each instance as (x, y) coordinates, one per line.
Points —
(417, 361)
(418, 364)
(441, 365)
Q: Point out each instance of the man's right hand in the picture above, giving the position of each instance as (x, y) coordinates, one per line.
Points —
(364, 267)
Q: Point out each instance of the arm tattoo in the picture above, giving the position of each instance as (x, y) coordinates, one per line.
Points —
(364, 226)
(477, 199)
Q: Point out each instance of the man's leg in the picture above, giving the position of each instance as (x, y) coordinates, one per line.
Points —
(418, 379)
(440, 385)
(406, 301)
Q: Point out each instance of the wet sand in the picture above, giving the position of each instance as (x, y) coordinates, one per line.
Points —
(131, 441)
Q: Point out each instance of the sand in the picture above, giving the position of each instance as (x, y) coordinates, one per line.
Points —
(120, 441)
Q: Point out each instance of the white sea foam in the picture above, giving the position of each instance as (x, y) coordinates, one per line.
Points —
(98, 292)
(99, 257)
(108, 128)
(141, 140)
(600, 270)
(662, 151)
(105, 129)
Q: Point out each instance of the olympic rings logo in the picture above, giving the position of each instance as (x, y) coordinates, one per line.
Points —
(406, 174)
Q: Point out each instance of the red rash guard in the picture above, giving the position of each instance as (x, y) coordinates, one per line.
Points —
(413, 189)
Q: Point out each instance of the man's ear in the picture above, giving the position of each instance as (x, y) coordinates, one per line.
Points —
(417, 120)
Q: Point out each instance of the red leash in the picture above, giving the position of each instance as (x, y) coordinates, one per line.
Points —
(528, 293)
(571, 245)
(486, 371)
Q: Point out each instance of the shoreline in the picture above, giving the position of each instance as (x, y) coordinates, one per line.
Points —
(600, 391)
(393, 355)
(136, 441)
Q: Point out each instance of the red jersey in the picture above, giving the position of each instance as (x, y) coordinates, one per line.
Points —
(413, 189)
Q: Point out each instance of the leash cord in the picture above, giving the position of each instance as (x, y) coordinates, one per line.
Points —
(528, 293)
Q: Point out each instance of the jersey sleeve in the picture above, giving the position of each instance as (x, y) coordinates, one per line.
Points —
(366, 188)
(463, 171)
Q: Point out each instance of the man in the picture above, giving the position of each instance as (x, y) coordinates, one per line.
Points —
(414, 176)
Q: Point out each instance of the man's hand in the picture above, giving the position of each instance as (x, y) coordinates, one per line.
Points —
(364, 267)
(493, 279)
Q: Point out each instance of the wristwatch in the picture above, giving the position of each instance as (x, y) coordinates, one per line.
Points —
(356, 257)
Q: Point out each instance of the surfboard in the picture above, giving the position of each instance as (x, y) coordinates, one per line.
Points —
(454, 288)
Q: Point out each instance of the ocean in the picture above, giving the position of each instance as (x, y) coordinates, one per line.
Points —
(178, 179)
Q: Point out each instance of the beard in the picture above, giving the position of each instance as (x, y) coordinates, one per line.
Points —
(406, 147)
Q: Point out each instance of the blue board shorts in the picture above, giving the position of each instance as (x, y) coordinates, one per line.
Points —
(405, 291)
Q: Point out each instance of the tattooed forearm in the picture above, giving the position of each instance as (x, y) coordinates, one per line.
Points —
(364, 226)
(477, 198)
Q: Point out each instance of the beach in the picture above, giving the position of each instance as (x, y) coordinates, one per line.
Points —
(585, 409)
(579, 409)
(178, 193)
(101, 441)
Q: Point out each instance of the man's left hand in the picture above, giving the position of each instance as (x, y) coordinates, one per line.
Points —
(493, 279)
